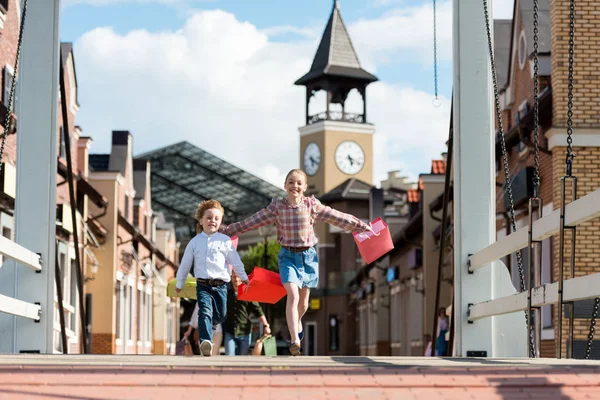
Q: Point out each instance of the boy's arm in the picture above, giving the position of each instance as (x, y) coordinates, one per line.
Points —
(184, 267)
(263, 217)
(233, 259)
(342, 220)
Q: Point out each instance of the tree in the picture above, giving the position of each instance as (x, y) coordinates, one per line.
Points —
(254, 257)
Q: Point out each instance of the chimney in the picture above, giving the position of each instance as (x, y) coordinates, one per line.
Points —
(84, 143)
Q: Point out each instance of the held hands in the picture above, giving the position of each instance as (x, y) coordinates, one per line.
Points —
(267, 330)
(177, 290)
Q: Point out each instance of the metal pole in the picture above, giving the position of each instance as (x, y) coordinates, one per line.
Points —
(78, 265)
(474, 197)
(35, 205)
(443, 235)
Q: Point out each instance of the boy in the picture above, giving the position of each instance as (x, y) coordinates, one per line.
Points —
(210, 252)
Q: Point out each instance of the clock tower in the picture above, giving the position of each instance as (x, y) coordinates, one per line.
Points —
(336, 145)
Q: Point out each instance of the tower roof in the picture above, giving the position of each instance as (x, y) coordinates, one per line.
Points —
(336, 57)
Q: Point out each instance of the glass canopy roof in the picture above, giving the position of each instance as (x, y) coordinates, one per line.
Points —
(182, 175)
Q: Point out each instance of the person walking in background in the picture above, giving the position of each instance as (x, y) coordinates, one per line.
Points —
(441, 345)
(237, 329)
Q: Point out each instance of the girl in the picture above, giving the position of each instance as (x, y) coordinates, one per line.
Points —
(210, 252)
(294, 217)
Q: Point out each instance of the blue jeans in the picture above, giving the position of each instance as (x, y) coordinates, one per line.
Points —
(212, 308)
(236, 345)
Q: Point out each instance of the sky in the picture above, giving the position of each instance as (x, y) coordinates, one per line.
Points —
(220, 74)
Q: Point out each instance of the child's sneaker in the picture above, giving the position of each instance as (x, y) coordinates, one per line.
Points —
(206, 348)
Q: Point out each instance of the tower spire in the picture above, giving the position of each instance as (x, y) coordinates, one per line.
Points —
(336, 69)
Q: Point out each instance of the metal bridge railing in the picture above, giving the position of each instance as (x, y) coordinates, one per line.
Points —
(20, 254)
(581, 288)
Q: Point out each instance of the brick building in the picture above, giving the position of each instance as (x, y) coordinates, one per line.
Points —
(396, 299)
(514, 50)
(84, 192)
(131, 314)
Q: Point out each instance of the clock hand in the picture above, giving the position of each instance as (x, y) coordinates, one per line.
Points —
(351, 160)
(313, 161)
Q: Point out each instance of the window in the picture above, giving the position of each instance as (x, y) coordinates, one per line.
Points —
(170, 322)
(149, 308)
(547, 244)
(141, 313)
(74, 295)
(126, 211)
(8, 77)
(6, 231)
(62, 152)
(4, 6)
(129, 321)
(334, 335)
(119, 309)
(522, 51)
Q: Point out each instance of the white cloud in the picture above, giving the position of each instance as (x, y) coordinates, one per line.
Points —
(66, 3)
(404, 32)
(224, 86)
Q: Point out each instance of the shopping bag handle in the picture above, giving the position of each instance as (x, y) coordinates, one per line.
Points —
(367, 236)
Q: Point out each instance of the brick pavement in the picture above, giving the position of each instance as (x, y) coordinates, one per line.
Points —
(69, 377)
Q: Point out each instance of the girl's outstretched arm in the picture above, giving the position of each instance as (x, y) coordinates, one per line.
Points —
(264, 217)
(347, 222)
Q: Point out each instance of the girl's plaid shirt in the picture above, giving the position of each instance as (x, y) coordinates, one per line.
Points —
(295, 222)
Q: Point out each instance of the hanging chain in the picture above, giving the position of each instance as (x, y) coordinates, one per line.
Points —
(13, 84)
(588, 349)
(435, 71)
(570, 155)
(507, 177)
(536, 106)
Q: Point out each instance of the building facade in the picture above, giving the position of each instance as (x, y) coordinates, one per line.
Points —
(128, 312)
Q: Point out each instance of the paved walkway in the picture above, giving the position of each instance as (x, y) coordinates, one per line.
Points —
(307, 378)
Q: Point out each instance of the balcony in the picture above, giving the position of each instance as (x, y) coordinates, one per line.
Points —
(336, 116)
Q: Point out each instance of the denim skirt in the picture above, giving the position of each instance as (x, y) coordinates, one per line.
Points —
(301, 268)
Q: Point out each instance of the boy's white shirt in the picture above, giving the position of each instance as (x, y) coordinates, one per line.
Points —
(210, 255)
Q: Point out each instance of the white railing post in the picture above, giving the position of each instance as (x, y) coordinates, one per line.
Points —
(474, 181)
(35, 205)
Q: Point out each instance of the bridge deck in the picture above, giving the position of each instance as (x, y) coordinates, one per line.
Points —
(168, 377)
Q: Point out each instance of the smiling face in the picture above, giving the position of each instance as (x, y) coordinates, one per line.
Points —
(295, 186)
(211, 220)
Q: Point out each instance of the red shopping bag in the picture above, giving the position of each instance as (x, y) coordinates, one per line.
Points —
(375, 244)
(265, 287)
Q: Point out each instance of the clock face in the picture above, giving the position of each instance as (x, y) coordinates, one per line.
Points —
(312, 158)
(349, 157)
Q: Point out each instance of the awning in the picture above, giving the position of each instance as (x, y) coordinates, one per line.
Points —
(137, 235)
(84, 186)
